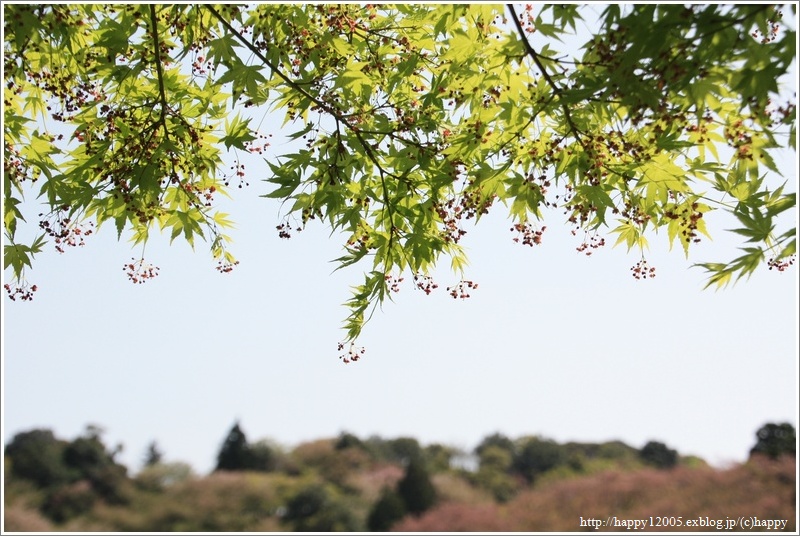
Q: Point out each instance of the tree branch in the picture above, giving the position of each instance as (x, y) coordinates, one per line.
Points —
(274, 68)
(159, 70)
(557, 90)
(337, 115)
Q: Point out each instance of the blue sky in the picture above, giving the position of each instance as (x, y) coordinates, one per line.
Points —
(552, 343)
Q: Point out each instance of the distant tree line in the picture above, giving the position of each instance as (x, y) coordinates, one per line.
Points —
(73, 474)
(72, 477)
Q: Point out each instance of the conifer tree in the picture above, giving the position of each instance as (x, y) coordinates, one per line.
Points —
(235, 454)
(416, 488)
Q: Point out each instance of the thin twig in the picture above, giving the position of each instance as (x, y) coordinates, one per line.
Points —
(557, 90)
(161, 90)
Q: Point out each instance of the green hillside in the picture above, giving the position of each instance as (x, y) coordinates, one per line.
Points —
(354, 484)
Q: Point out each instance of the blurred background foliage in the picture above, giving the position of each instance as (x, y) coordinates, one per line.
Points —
(351, 484)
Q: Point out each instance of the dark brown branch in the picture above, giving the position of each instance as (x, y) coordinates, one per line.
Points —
(159, 69)
(537, 59)
(274, 68)
(340, 118)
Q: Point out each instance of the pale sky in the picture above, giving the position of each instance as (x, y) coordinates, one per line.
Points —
(552, 343)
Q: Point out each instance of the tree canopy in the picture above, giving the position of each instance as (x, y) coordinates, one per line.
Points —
(775, 439)
(410, 120)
